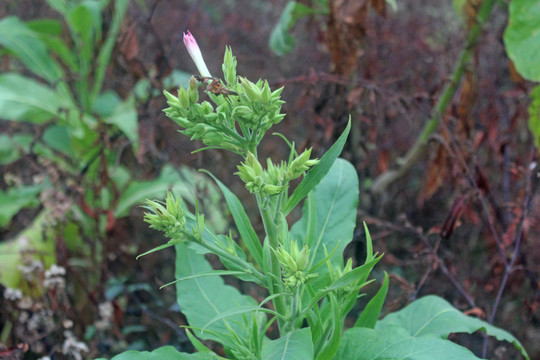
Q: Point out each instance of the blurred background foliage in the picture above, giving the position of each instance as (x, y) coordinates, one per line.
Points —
(83, 142)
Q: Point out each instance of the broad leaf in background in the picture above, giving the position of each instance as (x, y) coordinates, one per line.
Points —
(138, 191)
(27, 46)
(434, 316)
(24, 99)
(12, 148)
(295, 345)
(281, 42)
(17, 198)
(125, 118)
(166, 352)
(522, 37)
(336, 201)
(395, 343)
(534, 115)
(205, 298)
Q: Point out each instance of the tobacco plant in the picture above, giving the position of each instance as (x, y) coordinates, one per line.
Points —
(308, 289)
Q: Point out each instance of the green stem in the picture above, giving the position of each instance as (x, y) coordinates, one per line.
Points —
(270, 227)
(249, 268)
(414, 153)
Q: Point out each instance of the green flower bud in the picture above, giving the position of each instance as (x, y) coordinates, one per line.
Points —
(193, 91)
(169, 218)
(213, 138)
(229, 67)
(266, 93)
(251, 90)
(183, 97)
(171, 99)
(301, 164)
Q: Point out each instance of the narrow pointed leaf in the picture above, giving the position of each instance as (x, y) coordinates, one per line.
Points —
(369, 316)
(318, 172)
(247, 233)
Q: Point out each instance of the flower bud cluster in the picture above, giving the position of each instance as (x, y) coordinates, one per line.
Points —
(168, 217)
(275, 178)
(337, 272)
(240, 104)
(293, 264)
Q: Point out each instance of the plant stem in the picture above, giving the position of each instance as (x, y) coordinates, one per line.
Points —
(270, 227)
(414, 153)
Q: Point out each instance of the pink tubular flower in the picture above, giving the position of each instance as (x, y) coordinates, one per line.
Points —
(195, 53)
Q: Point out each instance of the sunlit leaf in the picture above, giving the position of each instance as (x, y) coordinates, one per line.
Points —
(522, 37)
(434, 316)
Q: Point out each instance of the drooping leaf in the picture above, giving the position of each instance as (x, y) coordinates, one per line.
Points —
(165, 352)
(336, 201)
(24, 99)
(395, 343)
(319, 171)
(434, 316)
(522, 37)
(295, 345)
(27, 46)
(205, 298)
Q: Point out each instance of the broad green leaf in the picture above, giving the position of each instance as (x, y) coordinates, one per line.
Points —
(281, 42)
(295, 345)
(395, 343)
(166, 352)
(125, 118)
(177, 79)
(434, 316)
(369, 316)
(205, 298)
(12, 148)
(24, 99)
(336, 201)
(45, 26)
(319, 171)
(522, 37)
(247, 233)
(534, 115)
(57, 138)
(138, 191)
(15, 199)
(27, 46)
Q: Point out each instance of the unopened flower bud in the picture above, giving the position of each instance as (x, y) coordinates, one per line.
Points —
(196, 55)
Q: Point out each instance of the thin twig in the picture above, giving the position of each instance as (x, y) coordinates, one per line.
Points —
(509, 266)
(445, 99)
